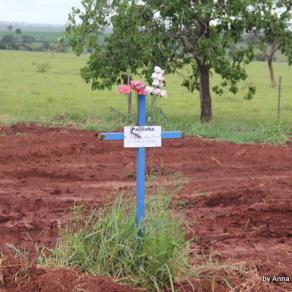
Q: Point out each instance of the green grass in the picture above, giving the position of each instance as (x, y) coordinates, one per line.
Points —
(60, 96)
(107, 242)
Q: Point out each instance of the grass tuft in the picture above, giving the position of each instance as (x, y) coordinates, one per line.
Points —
(106, 242)
(237, 132)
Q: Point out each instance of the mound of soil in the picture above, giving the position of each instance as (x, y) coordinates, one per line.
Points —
(19, 276)
(238, 198)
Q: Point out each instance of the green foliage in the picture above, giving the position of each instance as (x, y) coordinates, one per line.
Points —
(127, 50)
(166, 33)
(277, 134)
(273, 32)
(106, 242)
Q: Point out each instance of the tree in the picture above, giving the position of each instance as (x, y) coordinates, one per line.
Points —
(8, 42)
(275, 32)
(9, 27)
(18, 31)
(27, 42)
(28, 39)
(172, 34)
(115, 56)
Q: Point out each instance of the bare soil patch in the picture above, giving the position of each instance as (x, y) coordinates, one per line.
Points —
(238, 198)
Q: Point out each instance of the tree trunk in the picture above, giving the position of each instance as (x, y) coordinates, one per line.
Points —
(130, 104)
(205, 96)
(271, 69)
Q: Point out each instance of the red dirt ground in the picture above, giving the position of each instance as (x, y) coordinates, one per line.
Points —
(19, 276)
(238, 198)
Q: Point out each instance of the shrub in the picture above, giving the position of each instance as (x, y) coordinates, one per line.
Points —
(41, 67)
(276, 133)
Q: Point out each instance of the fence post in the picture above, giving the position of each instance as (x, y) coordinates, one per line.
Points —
(279, 97)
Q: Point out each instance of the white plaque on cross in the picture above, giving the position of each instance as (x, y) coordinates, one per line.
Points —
(142, 136)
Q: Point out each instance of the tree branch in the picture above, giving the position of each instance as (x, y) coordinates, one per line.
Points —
(183, 38)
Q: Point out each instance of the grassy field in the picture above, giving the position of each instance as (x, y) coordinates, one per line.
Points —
(60, 96)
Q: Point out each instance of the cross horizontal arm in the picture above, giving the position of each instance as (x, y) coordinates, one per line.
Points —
(120, 136)
(110, 136)
(172, 135)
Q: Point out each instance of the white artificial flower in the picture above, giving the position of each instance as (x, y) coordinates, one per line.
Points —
(160, 77)
(155, 82)
(154, 75)
(156, 91)
(163, 93)
(149, 89)
(157, 69)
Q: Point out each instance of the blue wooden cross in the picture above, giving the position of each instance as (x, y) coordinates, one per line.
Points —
(140, 157)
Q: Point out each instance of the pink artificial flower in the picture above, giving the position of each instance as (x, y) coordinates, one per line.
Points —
(141, 91)
(136, 84)
(124, 89)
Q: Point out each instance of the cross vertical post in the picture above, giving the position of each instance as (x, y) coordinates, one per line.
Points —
(140, 137)
(140, 165)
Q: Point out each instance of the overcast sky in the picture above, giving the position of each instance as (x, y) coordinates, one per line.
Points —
(36, 11)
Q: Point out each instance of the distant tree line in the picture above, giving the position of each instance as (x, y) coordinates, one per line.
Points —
(24, 42)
